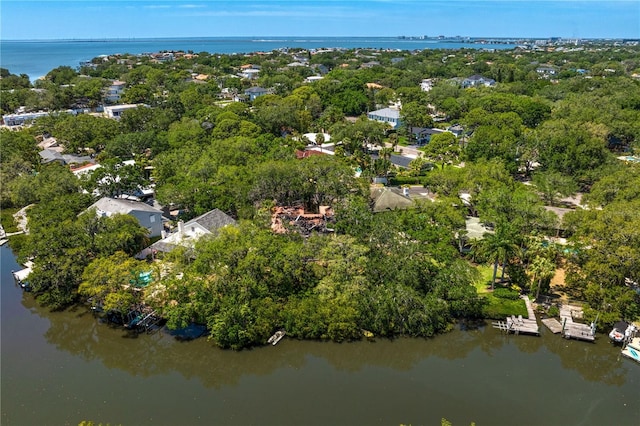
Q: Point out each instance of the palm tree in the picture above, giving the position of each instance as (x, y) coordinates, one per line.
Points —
(385, 153)
(416, 166)
(393, 140)
(542, 269)
(384, 162)
(499, 246)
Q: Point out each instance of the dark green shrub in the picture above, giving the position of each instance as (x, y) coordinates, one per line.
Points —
(506, 293)
(407, 180)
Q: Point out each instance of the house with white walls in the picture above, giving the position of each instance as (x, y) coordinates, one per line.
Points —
(189, 232)
(148, 217)
(115, 111)
(114, 91)
(386, 115)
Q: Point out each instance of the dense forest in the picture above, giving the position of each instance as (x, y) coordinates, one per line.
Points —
(528, 142)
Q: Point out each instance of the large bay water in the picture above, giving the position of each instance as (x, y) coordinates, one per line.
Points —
(36, 58)
(61, 368)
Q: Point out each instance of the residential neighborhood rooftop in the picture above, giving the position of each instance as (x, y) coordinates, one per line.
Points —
(117, 205)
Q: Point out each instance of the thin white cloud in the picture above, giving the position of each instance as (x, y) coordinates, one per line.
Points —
(192, 6)
(156, 6)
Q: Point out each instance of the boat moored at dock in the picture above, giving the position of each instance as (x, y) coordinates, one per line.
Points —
(622, 331)
(632, 349)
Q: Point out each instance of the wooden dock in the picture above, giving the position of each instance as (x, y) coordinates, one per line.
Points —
(570, 312)
(569, 328)
(575, 330)
(530, 313)
(578, 331)
(553, 325)
(517, 325)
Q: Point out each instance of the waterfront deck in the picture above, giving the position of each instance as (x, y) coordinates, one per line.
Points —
(530, 313)
(20, 277)
(517, 325)
(143, 318)
(569, 328)
(553, 325)
(575, 330)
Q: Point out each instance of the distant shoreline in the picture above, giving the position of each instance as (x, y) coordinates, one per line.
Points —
(302, 38)
(36, 58)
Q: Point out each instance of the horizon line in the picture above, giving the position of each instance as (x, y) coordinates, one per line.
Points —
(276, 37)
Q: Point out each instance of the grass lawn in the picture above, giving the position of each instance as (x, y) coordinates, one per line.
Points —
(483, 285)
(403, 141)
(496, 307)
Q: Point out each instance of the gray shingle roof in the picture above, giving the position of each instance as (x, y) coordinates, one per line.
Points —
(163, 246)
(389, 198)
(400, 160)
(212, 220)
(48, 156)
(255, 90)
(116, 205)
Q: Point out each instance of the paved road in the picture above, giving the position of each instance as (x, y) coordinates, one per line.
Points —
(400, 160)
(404, 155)
(409, 151)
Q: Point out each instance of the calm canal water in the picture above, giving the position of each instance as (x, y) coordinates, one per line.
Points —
(62, 368)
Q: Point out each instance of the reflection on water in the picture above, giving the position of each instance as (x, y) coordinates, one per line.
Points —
(76, 331)
(65, 367)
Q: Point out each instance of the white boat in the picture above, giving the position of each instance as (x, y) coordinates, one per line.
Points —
(622, 331)
(276, 337)
(632, 349)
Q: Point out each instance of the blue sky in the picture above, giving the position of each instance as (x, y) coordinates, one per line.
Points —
(30, 19)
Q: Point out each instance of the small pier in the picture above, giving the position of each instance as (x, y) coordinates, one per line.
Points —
(4, 235)
(575, 330)
(518, 324)
(20, 277)
(530, 313)
(553, 325)
(143, 318)
(568, 327)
